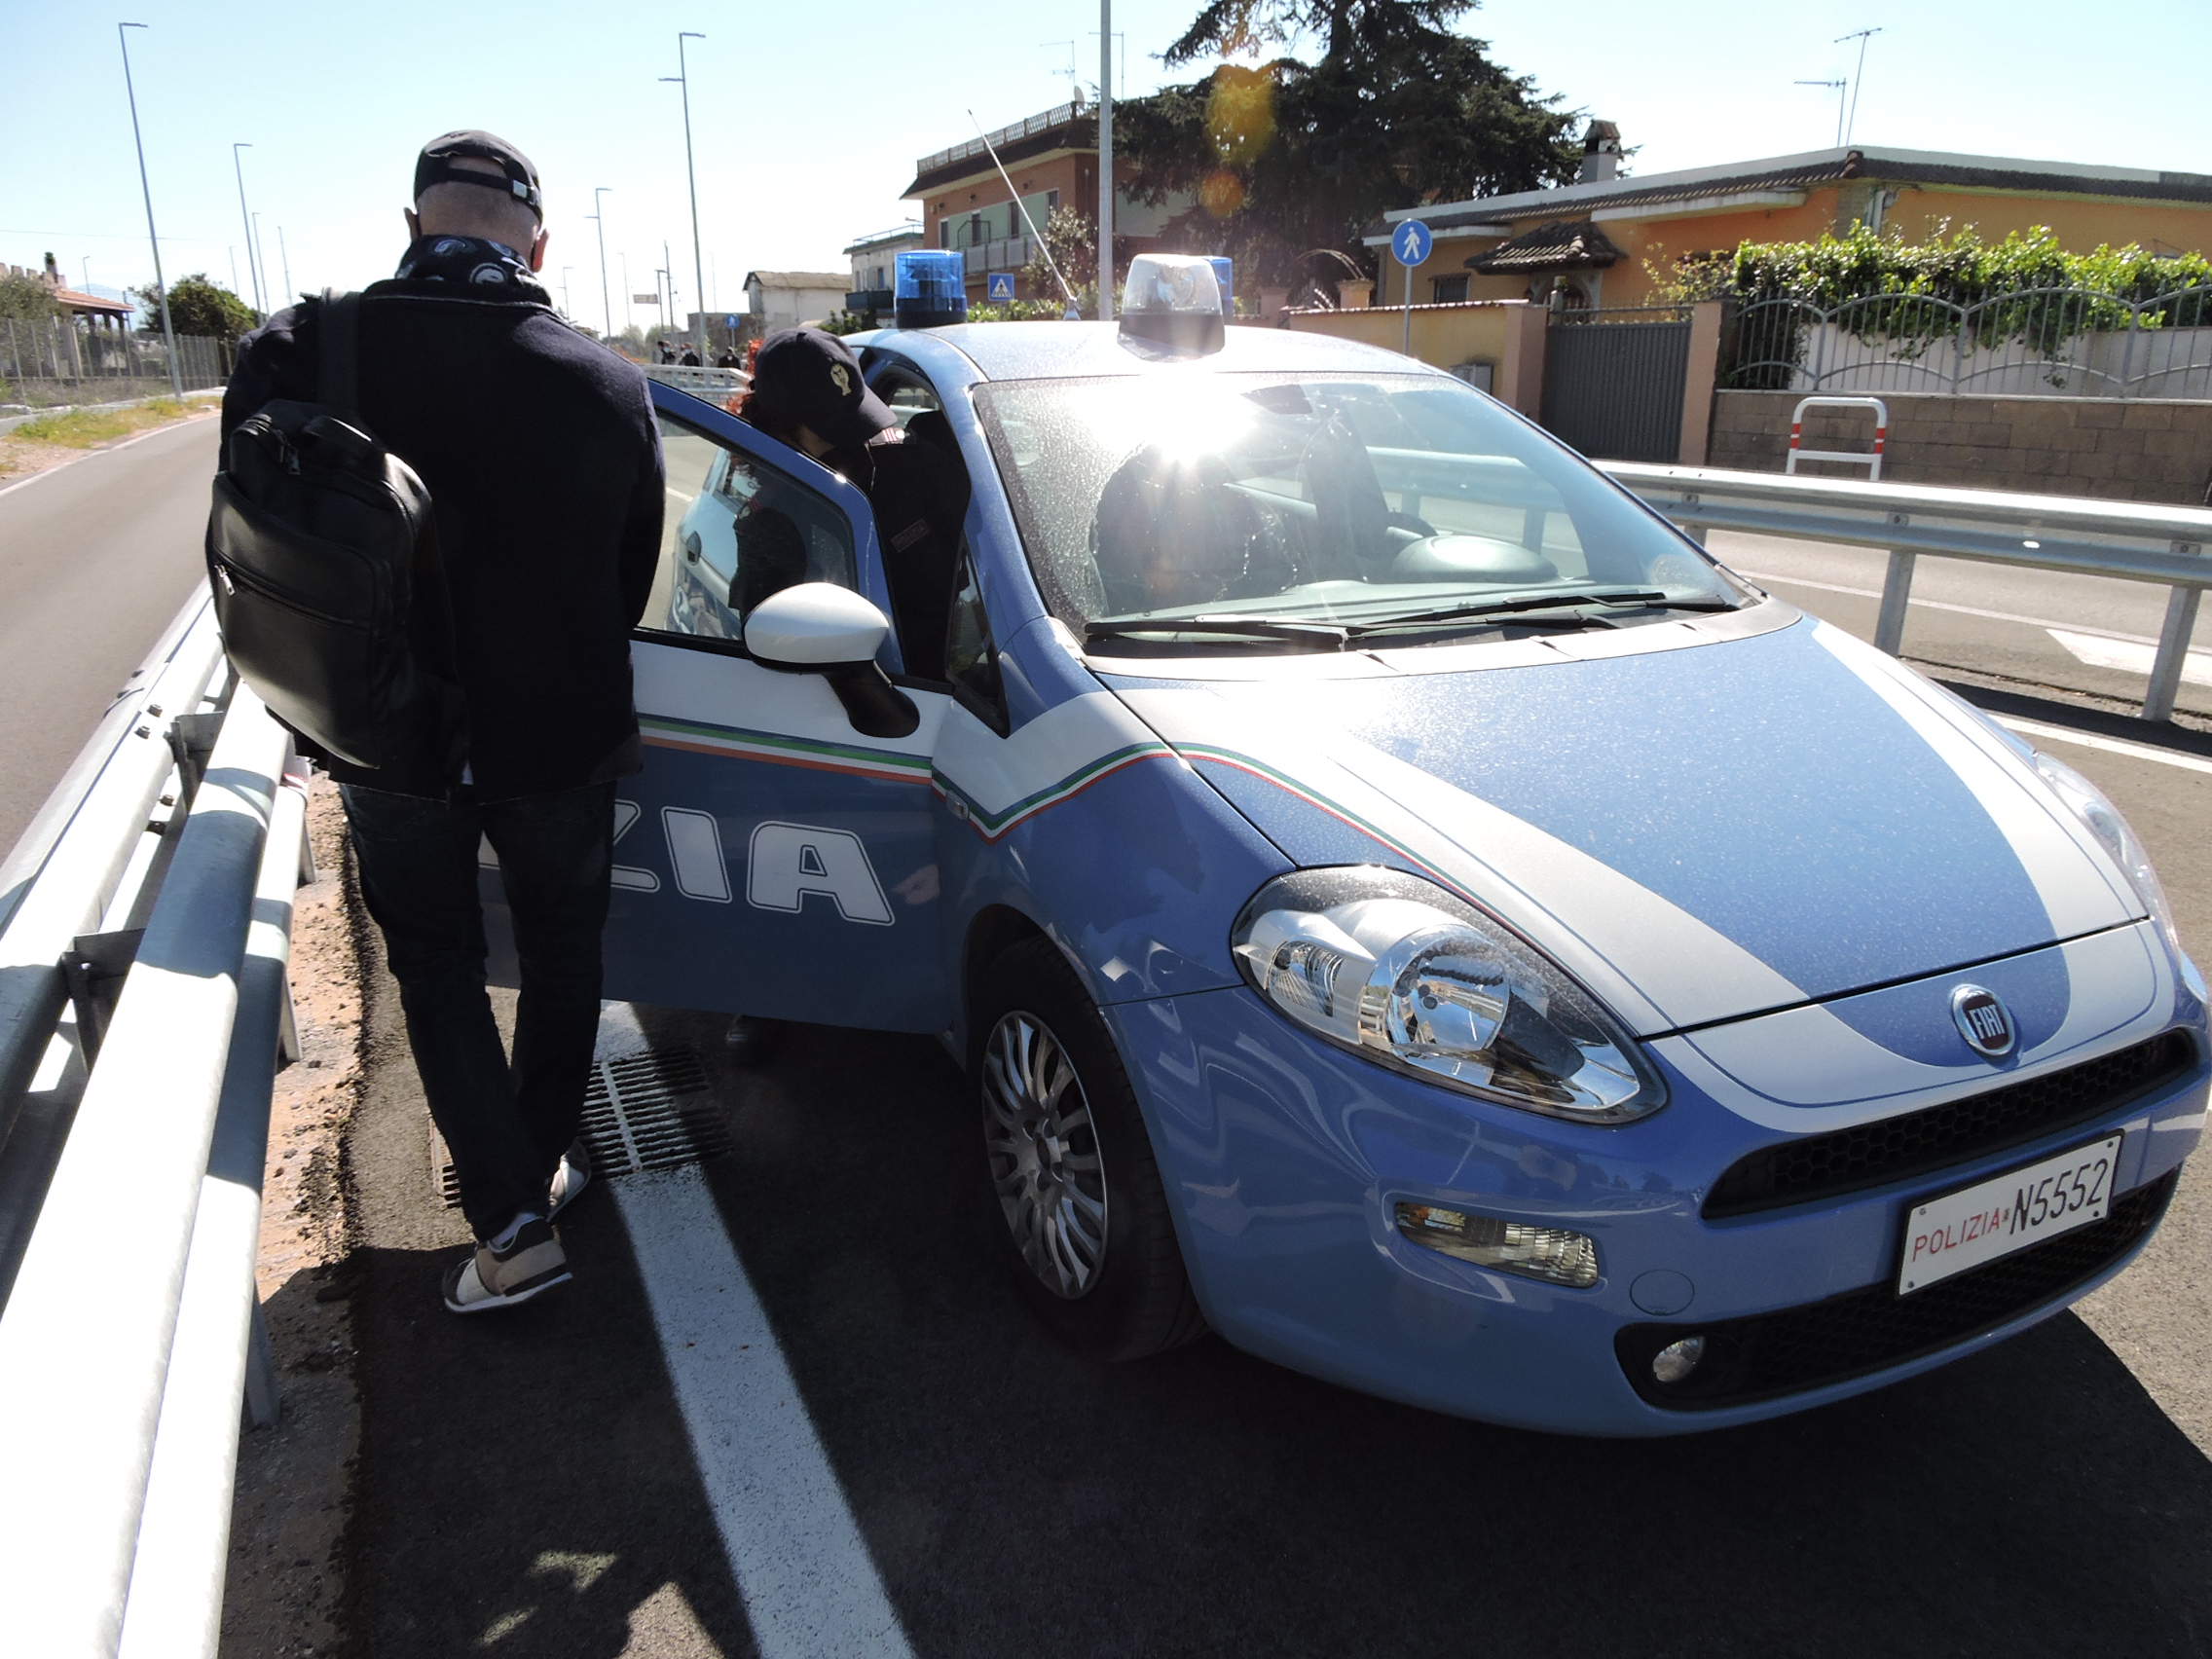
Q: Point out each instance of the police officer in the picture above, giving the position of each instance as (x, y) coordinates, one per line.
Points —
(807, 393)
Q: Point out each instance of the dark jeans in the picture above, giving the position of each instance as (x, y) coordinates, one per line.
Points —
(507, 1124)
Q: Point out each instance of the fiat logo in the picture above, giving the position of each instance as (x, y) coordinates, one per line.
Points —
(1983, 1020)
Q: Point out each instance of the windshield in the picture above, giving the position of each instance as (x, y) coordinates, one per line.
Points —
(1341, 501)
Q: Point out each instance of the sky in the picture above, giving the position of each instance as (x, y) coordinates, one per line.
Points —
(806, 121)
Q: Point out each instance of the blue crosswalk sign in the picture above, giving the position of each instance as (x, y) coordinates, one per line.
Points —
(1411, 243)
(998, 285)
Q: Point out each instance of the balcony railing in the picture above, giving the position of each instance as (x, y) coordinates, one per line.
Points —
(1005, 135)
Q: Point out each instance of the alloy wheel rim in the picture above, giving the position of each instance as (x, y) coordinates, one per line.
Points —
(1045, 1159)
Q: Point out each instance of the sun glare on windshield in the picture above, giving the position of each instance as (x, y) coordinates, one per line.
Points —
(1344, 500)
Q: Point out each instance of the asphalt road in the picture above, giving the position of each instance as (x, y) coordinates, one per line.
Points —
(95, 556)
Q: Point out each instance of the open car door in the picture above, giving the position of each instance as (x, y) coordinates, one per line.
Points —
(769, 859)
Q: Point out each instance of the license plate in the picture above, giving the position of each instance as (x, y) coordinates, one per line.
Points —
(2007, 1212)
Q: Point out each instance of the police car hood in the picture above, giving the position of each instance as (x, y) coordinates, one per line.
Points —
(1697, 833)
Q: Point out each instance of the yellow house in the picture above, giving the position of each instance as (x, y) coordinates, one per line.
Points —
(1601, 237)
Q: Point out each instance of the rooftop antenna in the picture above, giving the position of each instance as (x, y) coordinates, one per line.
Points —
(1861, 36)
(1074, 314)
(1835, 86)
(1069, 71)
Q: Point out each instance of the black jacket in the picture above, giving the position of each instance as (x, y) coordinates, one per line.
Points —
(544, 464)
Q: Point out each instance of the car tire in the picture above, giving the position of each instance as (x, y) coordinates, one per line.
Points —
(1073, 1192)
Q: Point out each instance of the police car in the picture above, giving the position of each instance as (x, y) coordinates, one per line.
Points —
(1400, 903)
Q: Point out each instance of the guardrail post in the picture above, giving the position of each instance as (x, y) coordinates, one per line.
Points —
(2173, 653)
(1896, 593)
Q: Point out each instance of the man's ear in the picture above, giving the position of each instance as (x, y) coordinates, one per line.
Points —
(537, 250)
(413, 224)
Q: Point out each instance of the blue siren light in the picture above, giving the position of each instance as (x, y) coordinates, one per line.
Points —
(1224, 272)
(1173, 300)
(929, 289)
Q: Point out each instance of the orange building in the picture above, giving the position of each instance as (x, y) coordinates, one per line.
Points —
(1603, 237)
(1052, 159)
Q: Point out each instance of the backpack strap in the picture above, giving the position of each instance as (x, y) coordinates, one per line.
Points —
(338, 377)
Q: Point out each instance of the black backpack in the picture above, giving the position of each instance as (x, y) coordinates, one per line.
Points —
(328, 585)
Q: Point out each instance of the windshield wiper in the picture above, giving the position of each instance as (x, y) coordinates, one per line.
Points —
(1321, 635)
(1641, 597)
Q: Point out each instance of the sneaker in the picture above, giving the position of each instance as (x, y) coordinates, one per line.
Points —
(488, 1277)
(571, 1179)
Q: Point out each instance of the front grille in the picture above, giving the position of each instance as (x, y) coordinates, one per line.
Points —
(1870, 1330)
(1917, 1143)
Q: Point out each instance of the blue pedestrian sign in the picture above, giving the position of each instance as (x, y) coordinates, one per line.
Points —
(998, 285)
(730, 321)
(1411, 243)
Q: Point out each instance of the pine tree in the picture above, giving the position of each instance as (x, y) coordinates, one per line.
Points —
(1289, 160)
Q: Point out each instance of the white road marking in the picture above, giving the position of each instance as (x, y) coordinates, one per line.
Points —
(2112, 745)
(2129, 656)
(679, 495)
(809, 1585)
(2044, 622)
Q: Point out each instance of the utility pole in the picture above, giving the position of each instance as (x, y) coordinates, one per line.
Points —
(248, 220)
(598, 212)
(668, 270)
(1105, 161)
(168, 334)
(629, 314)
(565, 269)
(698, 262)
(285, 254)
(1861, 36)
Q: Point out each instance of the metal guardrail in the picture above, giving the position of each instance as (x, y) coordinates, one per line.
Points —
(712, 384)
(2131, 540)
(133, 1127)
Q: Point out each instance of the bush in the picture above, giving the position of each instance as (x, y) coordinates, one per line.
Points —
(197, 306)
(24, 299)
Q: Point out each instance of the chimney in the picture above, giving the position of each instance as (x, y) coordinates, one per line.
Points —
(1600, 153)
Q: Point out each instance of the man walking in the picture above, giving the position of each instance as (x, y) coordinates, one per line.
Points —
(542, 462)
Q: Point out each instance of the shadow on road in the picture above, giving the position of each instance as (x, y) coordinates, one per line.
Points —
(527, 1485)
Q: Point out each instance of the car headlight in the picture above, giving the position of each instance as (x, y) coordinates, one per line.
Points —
(2089, 804)
(1403, 973)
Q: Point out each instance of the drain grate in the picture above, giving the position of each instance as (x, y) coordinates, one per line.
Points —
(649, 1111)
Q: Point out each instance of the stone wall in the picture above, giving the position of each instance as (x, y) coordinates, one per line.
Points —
(2131, 451)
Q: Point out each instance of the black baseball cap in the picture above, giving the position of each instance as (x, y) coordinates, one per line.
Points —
(435, 165)
(810, 376)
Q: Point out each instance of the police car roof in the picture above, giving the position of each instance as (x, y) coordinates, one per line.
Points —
(1048, 350)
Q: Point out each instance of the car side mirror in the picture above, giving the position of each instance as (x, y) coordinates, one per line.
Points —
(822, 628)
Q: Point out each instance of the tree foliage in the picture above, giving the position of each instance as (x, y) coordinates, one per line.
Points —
(24, 299)
(1289, 158)
(1072, 237)
(197, 306)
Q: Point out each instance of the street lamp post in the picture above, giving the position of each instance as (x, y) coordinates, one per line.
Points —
(261, 263)
(168, 334)
(606, 305)
(248, 220)
(1105, 161)
(698, 262)
(285, 254)
(565, 269)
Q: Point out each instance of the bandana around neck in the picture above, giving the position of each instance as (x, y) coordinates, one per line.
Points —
(492, 268)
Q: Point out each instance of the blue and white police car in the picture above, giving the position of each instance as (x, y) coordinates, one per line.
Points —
(1401, 904)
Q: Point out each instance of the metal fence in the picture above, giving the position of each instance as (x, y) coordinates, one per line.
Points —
(53, 362)
(2027, 342)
